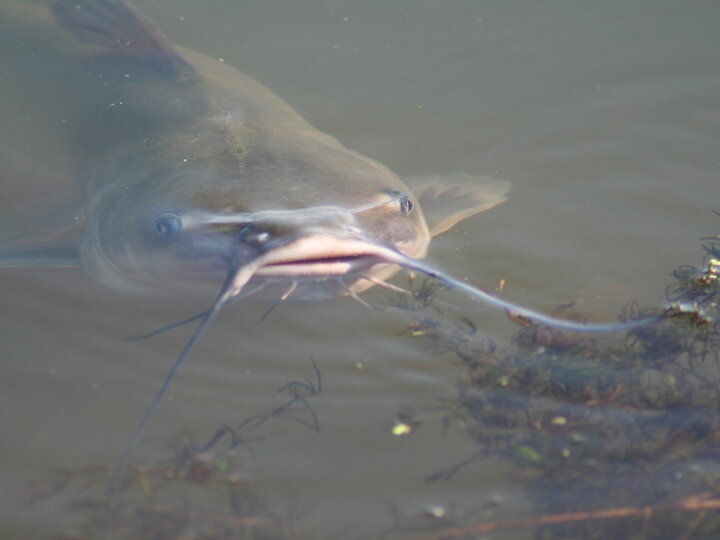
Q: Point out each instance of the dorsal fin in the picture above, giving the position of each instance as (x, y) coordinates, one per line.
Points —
(120, 28)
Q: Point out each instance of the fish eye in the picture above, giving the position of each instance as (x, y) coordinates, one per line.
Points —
(168, 224)
(406, 205)
(252, 234)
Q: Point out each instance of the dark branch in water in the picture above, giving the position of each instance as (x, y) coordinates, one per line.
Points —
(698, 504)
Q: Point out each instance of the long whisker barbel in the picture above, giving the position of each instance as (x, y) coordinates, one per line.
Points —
(235, 280)
(169, 327)
(194, 318)
(390, 255)
(386, 285)
(238, 276)
(513, 309)
(284, 296)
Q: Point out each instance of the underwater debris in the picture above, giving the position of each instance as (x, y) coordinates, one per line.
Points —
(614, 435)
(700, 503)
(405, 423)
(200, 489)
(608, 425)
(438, 332)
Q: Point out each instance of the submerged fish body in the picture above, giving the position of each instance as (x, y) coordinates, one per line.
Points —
(188, 167)
(240, 175)
(192, 175)
(220, 169)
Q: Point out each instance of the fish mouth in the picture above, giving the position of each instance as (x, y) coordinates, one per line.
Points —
(326, 267)
(319, 256)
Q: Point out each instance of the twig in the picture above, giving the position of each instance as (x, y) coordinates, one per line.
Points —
(695, 503)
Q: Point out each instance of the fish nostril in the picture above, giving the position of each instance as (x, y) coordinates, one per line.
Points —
(251, 234)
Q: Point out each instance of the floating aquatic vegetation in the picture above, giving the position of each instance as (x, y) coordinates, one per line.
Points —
(616, 435)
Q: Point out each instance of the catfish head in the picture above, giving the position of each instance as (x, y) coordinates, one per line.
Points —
(196, 176)
(194, 171)
(181, 230)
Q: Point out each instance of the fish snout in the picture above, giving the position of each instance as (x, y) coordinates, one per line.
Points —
(268, 230)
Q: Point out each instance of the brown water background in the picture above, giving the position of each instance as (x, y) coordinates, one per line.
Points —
(605, 116)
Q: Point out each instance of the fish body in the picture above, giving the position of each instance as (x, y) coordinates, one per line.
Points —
(192, 176)
(186, 166)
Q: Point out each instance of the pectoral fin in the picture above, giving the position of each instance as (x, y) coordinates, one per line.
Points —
(38, 256)
(41, 237)
(448, 199)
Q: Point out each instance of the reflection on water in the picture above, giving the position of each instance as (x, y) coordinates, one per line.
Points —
(603, 116)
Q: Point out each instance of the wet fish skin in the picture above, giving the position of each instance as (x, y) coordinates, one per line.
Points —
(202, 138)
(160, 132)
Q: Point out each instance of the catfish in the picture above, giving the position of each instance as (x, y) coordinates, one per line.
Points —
(193, 178)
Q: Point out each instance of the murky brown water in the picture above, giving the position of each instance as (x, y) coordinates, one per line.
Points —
(605, 116)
